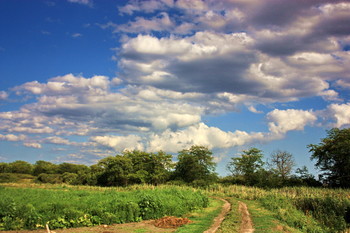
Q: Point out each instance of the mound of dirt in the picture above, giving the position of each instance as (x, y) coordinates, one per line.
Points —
(171, 222)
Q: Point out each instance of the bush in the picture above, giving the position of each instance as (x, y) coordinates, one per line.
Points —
(332, 213)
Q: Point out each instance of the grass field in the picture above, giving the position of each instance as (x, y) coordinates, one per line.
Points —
(298, 209)
(64, 206)
(292, 210)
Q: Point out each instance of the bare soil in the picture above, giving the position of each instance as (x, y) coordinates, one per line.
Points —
(247, 224)
(144, 227)
(218, 220)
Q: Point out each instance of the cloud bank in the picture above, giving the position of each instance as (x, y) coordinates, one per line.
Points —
(180, 61)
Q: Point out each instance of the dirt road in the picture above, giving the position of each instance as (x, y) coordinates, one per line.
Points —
(247, 224)
(218, 220)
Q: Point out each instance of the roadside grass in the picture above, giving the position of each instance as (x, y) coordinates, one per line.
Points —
(233, 219)
(264, 221)
(202, 219)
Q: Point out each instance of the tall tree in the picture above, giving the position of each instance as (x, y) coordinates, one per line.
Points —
(247, 166)
(283, 163)
(114, 171)
(20, 166)
(152, 168)
(42, 166)
(333, 157)
(195, 163)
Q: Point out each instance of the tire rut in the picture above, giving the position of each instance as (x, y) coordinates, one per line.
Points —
(226, 207)
(246, 224)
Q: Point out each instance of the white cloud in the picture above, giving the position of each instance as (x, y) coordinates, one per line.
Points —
(340, 113)
(145, 6)
(162, 22)
(32, 144)
(83, 2)
(12, 137)
(282, 121)
(57, 140)
(200, 134)
(119, 143)
(76, 35)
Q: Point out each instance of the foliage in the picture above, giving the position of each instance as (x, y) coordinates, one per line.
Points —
(332, 156)
(328, 211)
(28, 208)
(195, 164)
(248, 165)
(44, 167)
(49, 178)
(115, 171)
(20, 166)
(306, 209)
(15, 177)
(151, 168)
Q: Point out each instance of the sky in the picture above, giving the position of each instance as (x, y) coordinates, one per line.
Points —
(84, 79)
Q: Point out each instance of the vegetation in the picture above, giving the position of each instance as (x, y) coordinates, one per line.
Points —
(28, 208)
(295, 209)
(268, 187)
(332, 156)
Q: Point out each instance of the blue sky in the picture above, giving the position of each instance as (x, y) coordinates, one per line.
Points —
(85, 79)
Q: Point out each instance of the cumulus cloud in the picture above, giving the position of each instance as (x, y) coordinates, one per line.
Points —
(119, 143)
(12, 137)
(282, 121)
(32, 144)
(340, 113)
(200, 134)
(183, 60)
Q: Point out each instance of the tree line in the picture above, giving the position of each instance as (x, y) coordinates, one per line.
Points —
(196, 166)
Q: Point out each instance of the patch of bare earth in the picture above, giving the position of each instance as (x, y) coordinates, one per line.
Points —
(246, 224)
(218, 220)
(147, 226)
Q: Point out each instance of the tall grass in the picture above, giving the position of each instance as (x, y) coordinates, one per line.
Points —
(303, 208)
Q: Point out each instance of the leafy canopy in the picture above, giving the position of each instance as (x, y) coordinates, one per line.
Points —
(333, 157)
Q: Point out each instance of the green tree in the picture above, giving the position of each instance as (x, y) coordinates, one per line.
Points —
(71, 168)
(333, 157)
(247, 166)
(42, 166)
(20, 166)
(4, 167)
(69, 178)
(114, 171)
(152, 168)
(195, 164)
(283, 163)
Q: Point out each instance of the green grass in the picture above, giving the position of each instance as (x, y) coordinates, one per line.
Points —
(265, 221)
(232, 220)
(32, 208)
(290, 209)
(203, 219)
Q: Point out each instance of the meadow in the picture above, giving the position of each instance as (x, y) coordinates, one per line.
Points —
(66, 207)
(289, 209)
(295, 209)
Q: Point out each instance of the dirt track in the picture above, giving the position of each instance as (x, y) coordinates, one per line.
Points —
(218, 220)
(246, 225)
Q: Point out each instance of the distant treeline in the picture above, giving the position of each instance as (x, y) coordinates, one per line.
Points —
(194, 166)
